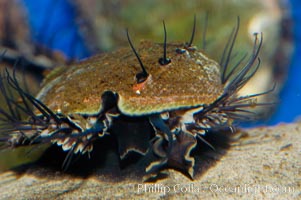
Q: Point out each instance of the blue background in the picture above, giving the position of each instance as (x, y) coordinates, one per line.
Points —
(61, 32)
(290, 98)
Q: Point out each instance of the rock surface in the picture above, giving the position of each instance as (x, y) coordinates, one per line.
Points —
(263, 163)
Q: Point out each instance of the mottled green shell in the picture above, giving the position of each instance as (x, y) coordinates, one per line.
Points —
(191, 79)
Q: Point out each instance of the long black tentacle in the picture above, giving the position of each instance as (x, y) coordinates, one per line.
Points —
(164, 60)
(192, 33)
(230, 103)
(225, 59)
(142, 76)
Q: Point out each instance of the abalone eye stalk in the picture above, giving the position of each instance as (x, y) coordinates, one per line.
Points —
(141, 76)
(192, 34)
(164, 60)
(187, 45)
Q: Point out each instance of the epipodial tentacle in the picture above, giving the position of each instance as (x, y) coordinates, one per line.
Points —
(179, 157)
(159, 124)
(80, 134)
(132, 134)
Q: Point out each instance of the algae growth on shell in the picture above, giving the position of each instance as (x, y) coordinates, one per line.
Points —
(190, 80)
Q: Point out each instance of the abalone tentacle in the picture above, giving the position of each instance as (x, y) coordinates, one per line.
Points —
(172, 145)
